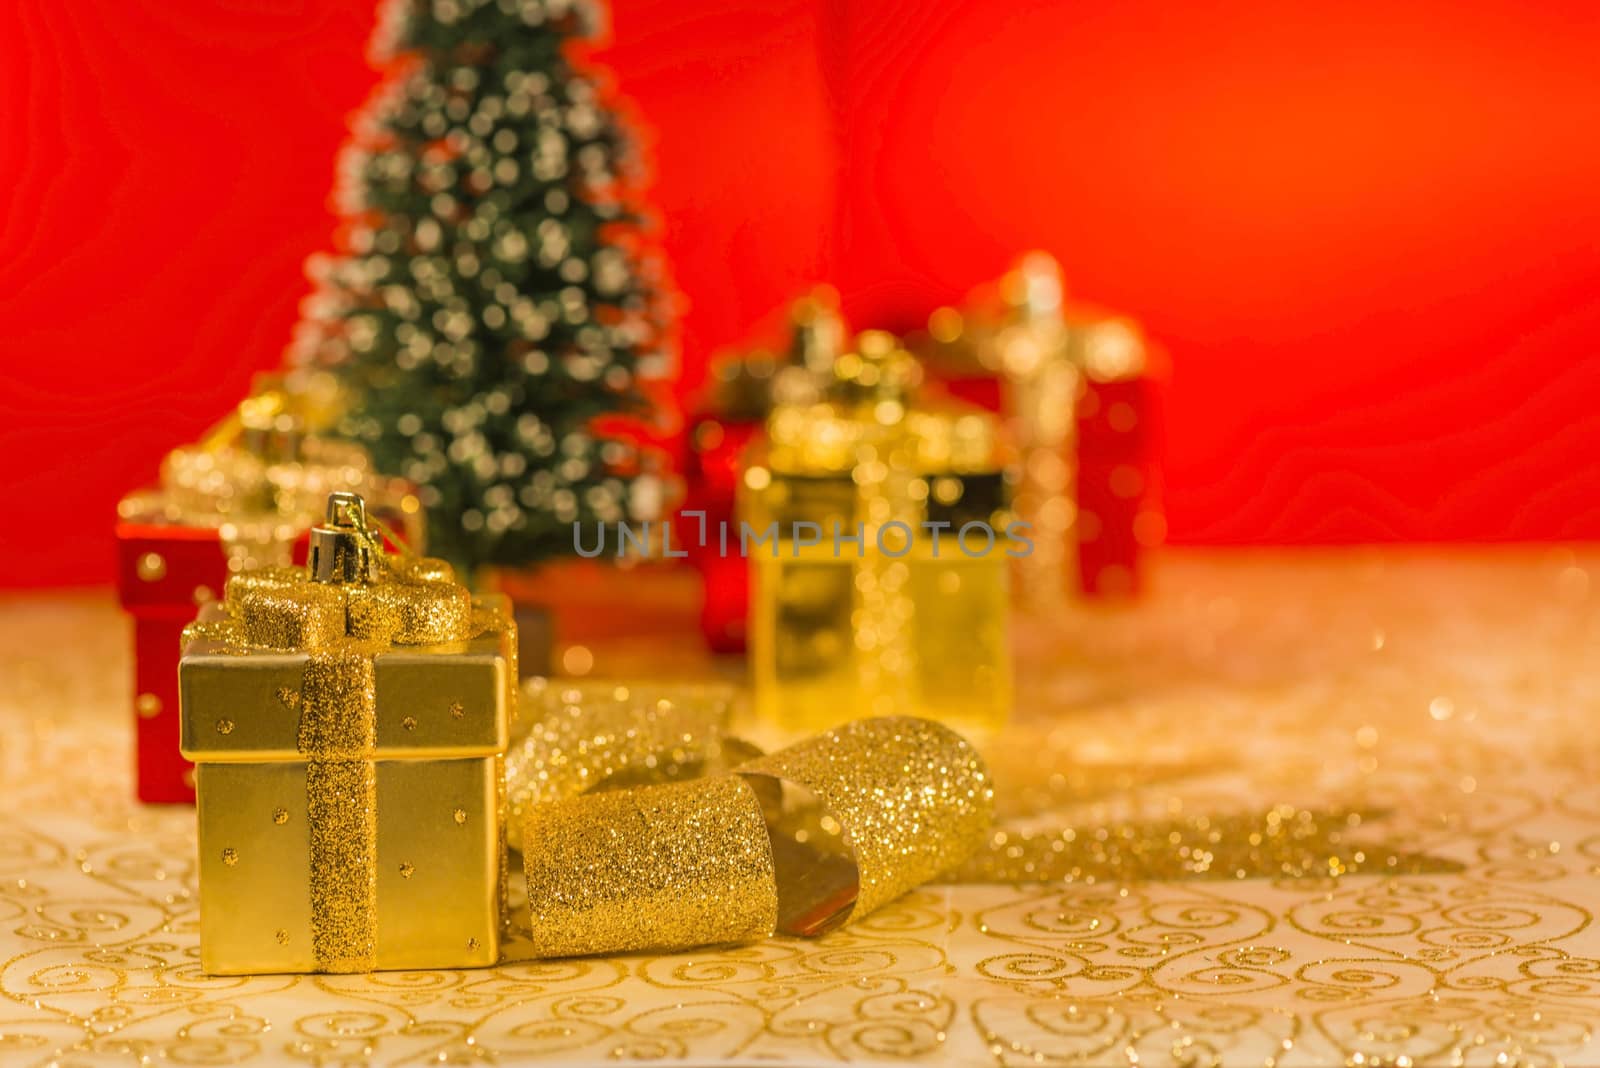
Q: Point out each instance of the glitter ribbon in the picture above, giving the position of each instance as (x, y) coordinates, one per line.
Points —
(585, 736)
(799, 842)
(342, 629)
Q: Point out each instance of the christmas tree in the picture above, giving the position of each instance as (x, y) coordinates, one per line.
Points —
(491, 297)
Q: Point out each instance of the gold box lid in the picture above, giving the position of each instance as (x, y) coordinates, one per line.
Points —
(453, 699)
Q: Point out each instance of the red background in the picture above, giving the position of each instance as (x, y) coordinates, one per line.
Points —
(1368, 233)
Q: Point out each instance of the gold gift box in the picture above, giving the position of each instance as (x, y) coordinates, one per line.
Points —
(442, 730)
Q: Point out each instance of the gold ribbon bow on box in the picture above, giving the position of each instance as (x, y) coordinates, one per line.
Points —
(260, 475)
(796, 842)
(349, 722)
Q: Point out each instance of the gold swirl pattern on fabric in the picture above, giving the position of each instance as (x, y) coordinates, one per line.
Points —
(711, 861)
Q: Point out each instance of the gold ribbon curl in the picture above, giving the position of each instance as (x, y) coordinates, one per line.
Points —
(342, 629)
(796, 842)
(582, 736)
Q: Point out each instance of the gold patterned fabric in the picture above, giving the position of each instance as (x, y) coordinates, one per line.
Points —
(1297, 809)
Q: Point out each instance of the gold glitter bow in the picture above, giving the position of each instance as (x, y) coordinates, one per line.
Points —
(366, 600)
(260, 475)
(798, 842)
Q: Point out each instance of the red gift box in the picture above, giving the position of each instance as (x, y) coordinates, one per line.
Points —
(725, 609)
(716, 444)
(164, 572)
(1118, 483)
(715, 447)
